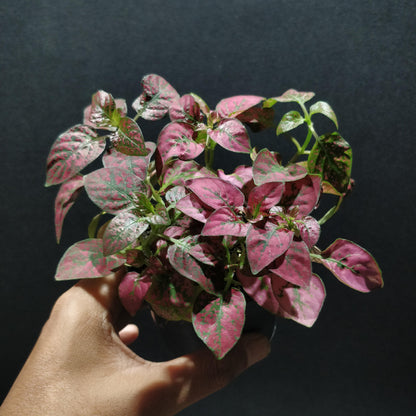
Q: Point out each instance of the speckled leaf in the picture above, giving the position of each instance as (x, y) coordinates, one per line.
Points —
(187, 266)
(177, 139)
(310, 230)
(293, 95)
(220, 323)
(102, 112)
(233, 106)
(123, 230)
(324, 108)
(85, 259)
(259, 288)
(257, 118)
(128, 138)
(224, 221)
(175, 194)
(289, 121)
(71, 152)
(262, 198)
(192, 206)
(232, 135)
(295, 266)
(216, 193)
(185, 109)
(303, 194)
(132, 291)
(331, 157)
(266, 168)
(266, 245)
(113, 189)
(241, 176)
(352, 265)
(156, 98)
(68, 193)
(301, 304)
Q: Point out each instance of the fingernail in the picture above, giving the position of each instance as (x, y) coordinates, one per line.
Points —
(257, 347)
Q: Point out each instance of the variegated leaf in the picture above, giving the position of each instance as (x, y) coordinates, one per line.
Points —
(128, 138)
(231, 135)
(262, 198)
(321, 107)
(132, 291)
(224, 221)
(192, 206)
(293, 95)
(241, 176)
(185, 109)
(310, 230)
(233, 106)
(289, 121)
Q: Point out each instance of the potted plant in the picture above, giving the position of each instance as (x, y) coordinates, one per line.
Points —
(198, 242)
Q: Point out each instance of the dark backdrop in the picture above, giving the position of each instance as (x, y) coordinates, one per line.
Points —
(358, 55)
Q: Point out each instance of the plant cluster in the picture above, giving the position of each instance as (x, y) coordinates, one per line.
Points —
(197, 242)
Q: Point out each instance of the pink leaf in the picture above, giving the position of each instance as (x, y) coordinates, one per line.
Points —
(113, 189)
(132, 291)
(176, 139)
(257, 118)
(262, 198)
(156, 98)
(260, 289)
(309, 230)
(295, 266)
(128, 138)
(266, 245)
(185, 109)
(233, 106)
(100, 113)
(216, 193)
(301, 304)
(224, 221)
(68, 193)
(124, 229)
(85, 259)
(192, 206)
(293, 95)
(241, 176)
(71, 152)
(175, 194)
(266, 168)
(352, 265)
(232, 135)
(220, 323)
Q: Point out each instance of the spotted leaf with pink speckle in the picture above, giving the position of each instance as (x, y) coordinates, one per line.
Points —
(231, 135)
(132, 291)
(233, 106)
(128, 138)
(224, 221)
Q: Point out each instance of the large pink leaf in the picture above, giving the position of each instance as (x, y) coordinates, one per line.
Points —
(132, 291)
(260, 289)
(68, 193)
(71, 152)
(266, 245)
(192, 206)
(156, 98)
(186, 109)
(352, 265)
(241, 176)
(301, 304)
(310, 230)
(266, 168)
(233, 106)
(177, 139)
(123, 229)
(220, 323)
(85, 259)
(303, 194)
(128, 138)
(224, 221)
(113, 189)
(216, 193)
(262, 198)
(295, 266)
(232, 135)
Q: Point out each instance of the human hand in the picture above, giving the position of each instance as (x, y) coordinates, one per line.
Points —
(81, 365)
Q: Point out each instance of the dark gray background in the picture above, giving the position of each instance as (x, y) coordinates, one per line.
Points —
(358, 55)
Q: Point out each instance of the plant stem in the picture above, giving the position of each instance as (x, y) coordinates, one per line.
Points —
(332, 211)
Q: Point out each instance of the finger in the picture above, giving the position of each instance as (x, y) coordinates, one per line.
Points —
(129, 334)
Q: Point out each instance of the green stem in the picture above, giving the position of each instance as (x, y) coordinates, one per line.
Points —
(332, 211)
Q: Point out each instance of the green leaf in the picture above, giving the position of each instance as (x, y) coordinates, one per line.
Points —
(289, 121)
(294, 96)
(324, 108)
(331, 158)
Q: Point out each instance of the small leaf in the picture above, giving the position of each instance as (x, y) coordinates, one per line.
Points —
(85, 259)
(192, 206)
(231, 135)
(301, 304)
(289, 121)
(67, 195)
(177, 139)
(132, 291)
(262, 198)
(295, 266)
(123, 230)
(324, 108)
(266, 168)
(71, 152)
(113, 189)
(156, 98)
(310, 230)
(266, 245)
(216, 193)
(128, 138)
(294, 96)
(220, 323)
(101, 111)
(185, 109)
(233, 106)
(224, 221)
(331, 157)
(352, 265)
